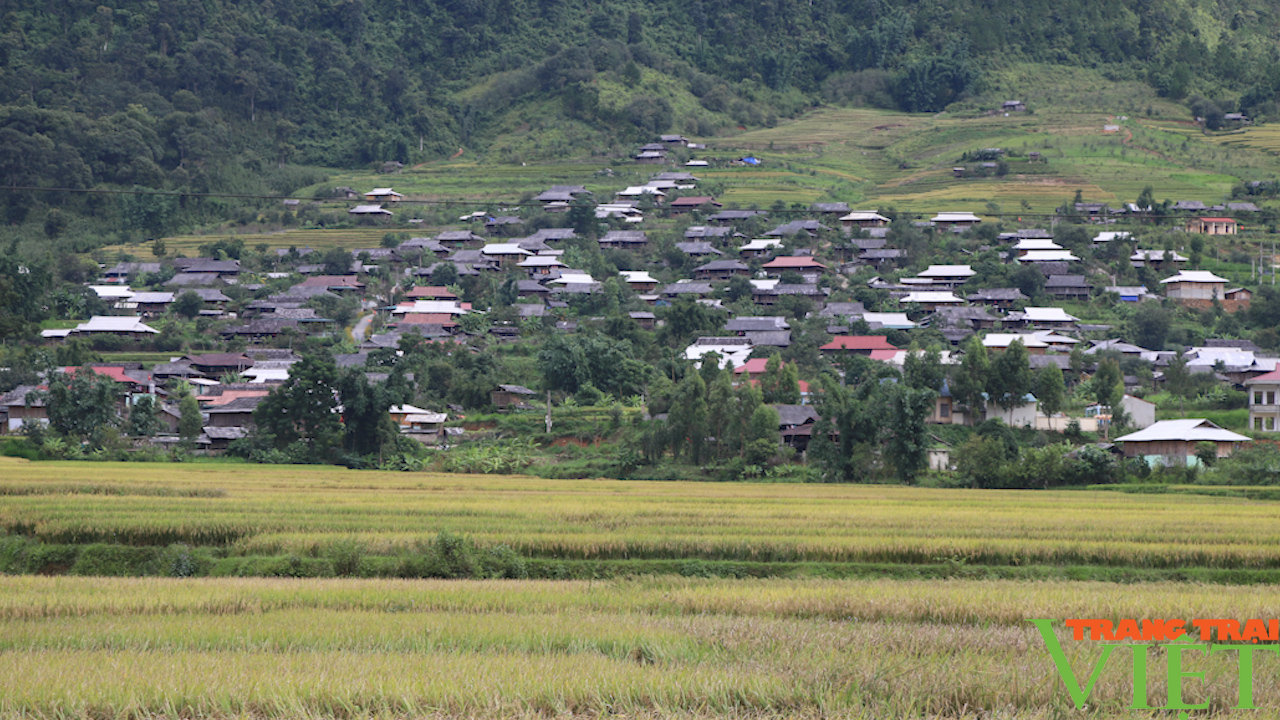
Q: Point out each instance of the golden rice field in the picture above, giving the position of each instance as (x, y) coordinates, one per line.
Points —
(655, 647)
(254, 509)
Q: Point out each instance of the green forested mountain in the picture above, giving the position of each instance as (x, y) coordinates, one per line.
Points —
(215, 95)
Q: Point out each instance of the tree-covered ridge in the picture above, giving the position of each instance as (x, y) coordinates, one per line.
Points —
(344, 83)
(234, 97)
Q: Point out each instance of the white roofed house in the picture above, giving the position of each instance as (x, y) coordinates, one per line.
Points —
(1042, 318)
(1174, 442)
(947, 275)
(570, 276)
(930, 299)
(540, 264)
(1198, 288)
(760, 247)
(1213, 225)
(1033, 256)
(863, 219)
(624, 239)
(118, 296)
(1141, 258)
(1068, 286)
(1002, 341)
(505, 253)
(383, 195)
(722, 270)
(421, 425)
(636, 191)
(733, 351)
(148, 304)
(955, 221)
(429, 307)
(126, 327)
(888, 321)
(369, 210)
(628, 212)
(1026, 245)
(1264, 401)
(639, 280)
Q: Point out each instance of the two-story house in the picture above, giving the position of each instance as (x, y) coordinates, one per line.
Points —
(1264, 401)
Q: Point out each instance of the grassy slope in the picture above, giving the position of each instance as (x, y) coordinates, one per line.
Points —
(864, 156)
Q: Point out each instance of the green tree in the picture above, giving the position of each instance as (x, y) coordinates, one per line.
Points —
(686, 319)
(1108, 383)
(848, 430)
(55, 223)
(367, 427)
(1147, 199)
(444, 274)
(969, 381)
(569, 361)
(23, 297)
(980, 462)
(144, 419)
(763, 438)
(304, 409)
(721, 411)
(780, 383)
(739, 288)
(1197, 250)
(190, 422)
(1149, 326)
(1108, 387)
(336, 261)
(188, 304)
(1050, 389)
(1010, 378)
(1177, 378)
(1076, 361)
(81, 404)
(507, 293)
(908, 437)
(924, 369)
(582, 218)
(688, 419)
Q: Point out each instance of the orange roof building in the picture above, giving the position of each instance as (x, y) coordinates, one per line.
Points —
(861, 344)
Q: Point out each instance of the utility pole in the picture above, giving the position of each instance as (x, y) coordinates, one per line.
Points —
(548, 412)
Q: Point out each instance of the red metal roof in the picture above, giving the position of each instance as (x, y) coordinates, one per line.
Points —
(858, 342)
(115, 373)
(230, 395)
(426, 291)
(692, 201)
(1217, 219)
(1273, 376)
(793, 261)
(332, 281)
(427, 319)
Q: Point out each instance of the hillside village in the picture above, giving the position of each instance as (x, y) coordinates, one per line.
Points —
(789, 301)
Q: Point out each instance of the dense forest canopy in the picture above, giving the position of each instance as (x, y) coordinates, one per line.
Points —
(215, 95)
